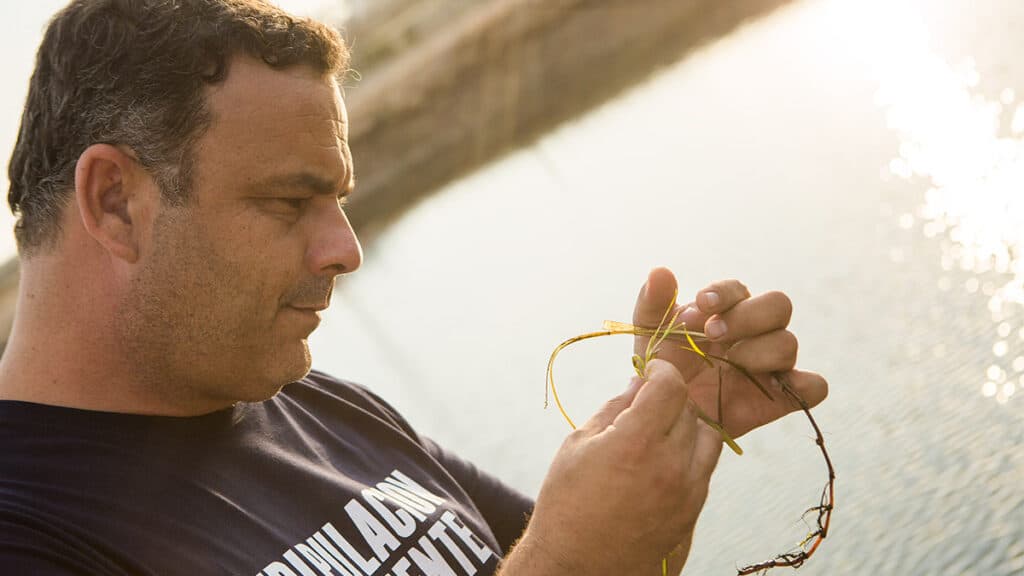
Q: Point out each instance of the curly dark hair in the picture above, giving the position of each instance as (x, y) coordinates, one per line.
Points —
(134, 73)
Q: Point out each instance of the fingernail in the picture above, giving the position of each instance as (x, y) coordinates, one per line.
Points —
(711, 298)
(715, 329)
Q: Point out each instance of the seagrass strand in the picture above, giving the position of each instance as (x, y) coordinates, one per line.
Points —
(793, 558)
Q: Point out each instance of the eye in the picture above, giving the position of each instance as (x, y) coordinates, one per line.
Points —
(294, 204)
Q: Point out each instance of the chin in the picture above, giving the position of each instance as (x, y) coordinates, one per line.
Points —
(294, 366)
(278, 371)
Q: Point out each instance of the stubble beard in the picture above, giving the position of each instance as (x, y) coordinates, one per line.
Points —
(191, 325)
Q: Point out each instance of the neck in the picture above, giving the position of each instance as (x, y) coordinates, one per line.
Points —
(64, 350)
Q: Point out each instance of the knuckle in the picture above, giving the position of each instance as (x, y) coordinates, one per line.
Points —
(674, 384)
(788, 362)
(790, 345)
(669, 389)
(616, 404)
(576, 437)
(658, 369)
(781, 302)
(731, 287)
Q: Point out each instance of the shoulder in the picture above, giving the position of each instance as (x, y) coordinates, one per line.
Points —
(36, 542)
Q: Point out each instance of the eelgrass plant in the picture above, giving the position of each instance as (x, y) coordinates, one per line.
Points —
(669, 329)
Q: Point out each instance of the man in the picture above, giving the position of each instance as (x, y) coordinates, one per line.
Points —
(179, 176)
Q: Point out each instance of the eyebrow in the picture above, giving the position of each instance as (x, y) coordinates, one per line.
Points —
(309, 181)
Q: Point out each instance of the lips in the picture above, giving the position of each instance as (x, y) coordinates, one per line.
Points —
(310, 316)
(317, 308)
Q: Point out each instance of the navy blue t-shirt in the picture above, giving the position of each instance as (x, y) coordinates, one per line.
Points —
(324, 478)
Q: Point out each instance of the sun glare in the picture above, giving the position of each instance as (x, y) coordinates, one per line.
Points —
(968, 148)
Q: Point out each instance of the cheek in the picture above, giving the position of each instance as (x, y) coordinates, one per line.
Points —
(212, 289)
(220, 279)
(258, 275)
(244, 288)
(249, 264)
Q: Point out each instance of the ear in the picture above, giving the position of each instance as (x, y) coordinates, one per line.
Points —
(113, 193)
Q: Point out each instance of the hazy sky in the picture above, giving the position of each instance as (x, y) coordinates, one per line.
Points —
(21, 29)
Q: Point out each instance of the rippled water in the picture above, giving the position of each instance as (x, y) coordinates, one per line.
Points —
(841, 151)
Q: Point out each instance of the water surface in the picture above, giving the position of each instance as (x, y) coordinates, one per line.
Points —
(835, 150)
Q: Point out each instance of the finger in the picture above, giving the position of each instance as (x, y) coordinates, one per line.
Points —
(658, 403)
(750, 317)
(721, 296)
(810, 386)
(742, 417)
(692, 317)
(772, 352)
(613, 407)
(655, 297)
(684, 430)
(706, 451)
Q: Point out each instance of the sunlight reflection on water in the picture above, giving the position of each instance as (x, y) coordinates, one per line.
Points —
(764, 157)
(970, 151)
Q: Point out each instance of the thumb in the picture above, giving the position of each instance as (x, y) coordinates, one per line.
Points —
(655, 297)
(611, 409)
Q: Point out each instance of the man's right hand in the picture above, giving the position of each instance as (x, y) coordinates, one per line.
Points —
(625, 489)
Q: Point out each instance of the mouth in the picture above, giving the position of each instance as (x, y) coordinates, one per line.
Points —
(307, 316)
(308, 308)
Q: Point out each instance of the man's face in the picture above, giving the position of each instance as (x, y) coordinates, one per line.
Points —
(229, 286)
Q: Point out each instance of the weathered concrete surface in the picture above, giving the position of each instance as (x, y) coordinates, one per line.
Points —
(501, 75)
(448, 85)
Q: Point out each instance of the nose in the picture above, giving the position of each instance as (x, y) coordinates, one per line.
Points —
(334, 248)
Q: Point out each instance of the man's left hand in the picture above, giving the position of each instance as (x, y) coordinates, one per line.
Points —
(750, 331)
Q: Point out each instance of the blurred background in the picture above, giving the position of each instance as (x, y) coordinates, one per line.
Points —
(523, 164)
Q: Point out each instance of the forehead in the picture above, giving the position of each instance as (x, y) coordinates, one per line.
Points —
(266, 121)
